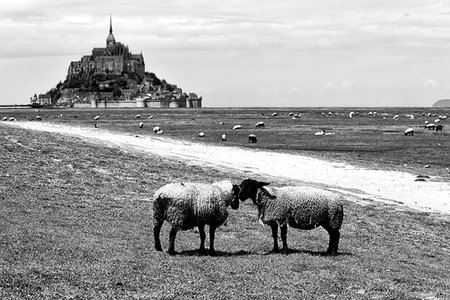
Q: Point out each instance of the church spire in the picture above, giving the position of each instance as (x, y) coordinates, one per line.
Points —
(110, 40)
(110, 23)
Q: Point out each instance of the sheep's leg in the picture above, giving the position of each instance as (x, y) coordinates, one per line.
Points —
(201, 229)
(275, 237)
(334, 241)
(156, 232)
(284, 238)
(172, 235)
(212, 233)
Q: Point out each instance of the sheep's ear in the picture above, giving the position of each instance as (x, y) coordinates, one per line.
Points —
(262, 183)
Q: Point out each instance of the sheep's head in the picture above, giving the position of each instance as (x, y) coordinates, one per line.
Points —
(235, 202)
(249, 188)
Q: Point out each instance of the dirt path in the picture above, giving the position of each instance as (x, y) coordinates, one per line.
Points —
(359, 184)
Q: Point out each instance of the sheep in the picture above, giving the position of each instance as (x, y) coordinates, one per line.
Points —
(439, 127)
(141, 124)
(430, 126)
(150, 117)
(296, 206)
(274, 114)
(38, 118)
(224, 137)
(260, 125)
(235, 127)
(188, 205)
(409, 131)
(96, 118)
(395, 117)
(252, 138)
(318, 133)
(137, 116)
(201, 134)
(156, 129)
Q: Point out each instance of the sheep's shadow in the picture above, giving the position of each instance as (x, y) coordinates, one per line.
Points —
(217, 254)
(312, 253)
(246, 253)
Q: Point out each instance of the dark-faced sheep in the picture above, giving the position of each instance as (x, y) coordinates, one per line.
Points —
(252, 138)
(439, 127)
(296, 206)
(188, 205)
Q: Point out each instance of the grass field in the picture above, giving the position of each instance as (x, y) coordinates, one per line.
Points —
(75, 218)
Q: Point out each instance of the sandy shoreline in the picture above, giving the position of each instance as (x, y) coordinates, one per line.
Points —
(358, 183)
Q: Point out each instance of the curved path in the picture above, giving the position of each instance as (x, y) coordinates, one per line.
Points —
(359, 183)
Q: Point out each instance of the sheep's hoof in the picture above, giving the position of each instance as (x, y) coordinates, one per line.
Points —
(202, 251)
(285, 251)
(171, 252)
(273, 251)
(158, 248)
(212, 253)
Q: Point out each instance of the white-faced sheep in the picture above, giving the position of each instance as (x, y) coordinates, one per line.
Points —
(409, 131)
(224, 137)
(252, 138)
(189, 205)
(236, 127)
(296, 206)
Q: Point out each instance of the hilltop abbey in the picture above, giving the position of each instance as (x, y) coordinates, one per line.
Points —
(115, 58)
(112, 76)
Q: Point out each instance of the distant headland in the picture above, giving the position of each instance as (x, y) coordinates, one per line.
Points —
(442, 103)
(112, 76)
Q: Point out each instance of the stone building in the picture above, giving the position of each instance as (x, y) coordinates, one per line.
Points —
(115, 59)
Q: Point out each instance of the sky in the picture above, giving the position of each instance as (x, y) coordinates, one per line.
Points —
(244, 53)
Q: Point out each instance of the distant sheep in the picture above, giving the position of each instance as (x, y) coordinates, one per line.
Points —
(96, 118)
(252, 138)
(274, 114)
(141, 124)
(188, 205)
(409, 131)
(260, 125)
(439, 127)
(224, 137)
(299, 207)
(430, 126)
(38, 118)
(236, 127)
(201, 134)
(137, 116)
(319, 133)
(156, 129)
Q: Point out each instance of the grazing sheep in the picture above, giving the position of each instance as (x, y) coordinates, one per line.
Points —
(430, 126)
(96, 117)
(95, 126)
(274, 114)
(296, 206)
(38, 118)
(137, 116)
(156, 129)
(395, 117)
(409, 131)
(160, 131)
(318, 133)
(252, 138)
(201, 134)
(439, 127)
(150, 117)
(187, 205)
(224, 137)
(260, 125)
(141, 124)
(235, 127)
(5, 118)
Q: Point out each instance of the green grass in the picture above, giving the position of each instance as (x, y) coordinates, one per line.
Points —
(75, 223)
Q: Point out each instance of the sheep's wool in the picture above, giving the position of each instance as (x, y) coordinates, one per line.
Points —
(185, 205)
(301, 207)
